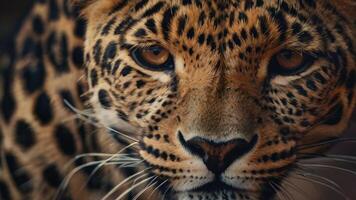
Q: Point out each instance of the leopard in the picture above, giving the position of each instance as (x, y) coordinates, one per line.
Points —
(174, 99)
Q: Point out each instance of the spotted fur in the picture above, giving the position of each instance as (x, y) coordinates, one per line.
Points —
(73, 88)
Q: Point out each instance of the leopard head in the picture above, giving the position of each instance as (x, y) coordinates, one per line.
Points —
(221, 96)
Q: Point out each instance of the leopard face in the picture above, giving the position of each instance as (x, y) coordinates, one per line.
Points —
(220, 96)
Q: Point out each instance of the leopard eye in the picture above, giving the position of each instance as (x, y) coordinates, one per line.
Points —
(288, 62)
(153, 58)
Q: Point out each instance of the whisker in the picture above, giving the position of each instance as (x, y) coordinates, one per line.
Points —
(160, 185)
(168, 189)
(331, 182)
(107, 160)
(325, 142)
(276, 190)
(123, 182)
(133, 187)
(329, 167)
(327, 157)
(296, 188)
(145, 189)
(302, 177)
(67, 179)
(81, 114)
(283, 190)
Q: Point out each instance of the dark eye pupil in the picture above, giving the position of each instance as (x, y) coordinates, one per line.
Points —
(287, 55)
(156, 50)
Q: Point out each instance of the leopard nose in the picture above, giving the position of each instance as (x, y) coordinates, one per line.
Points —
(218, 156)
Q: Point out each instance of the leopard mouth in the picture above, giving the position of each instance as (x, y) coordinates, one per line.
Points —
(215, 187)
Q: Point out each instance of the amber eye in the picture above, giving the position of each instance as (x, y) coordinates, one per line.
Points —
(289, 59)
(153, 58)
(288, 62)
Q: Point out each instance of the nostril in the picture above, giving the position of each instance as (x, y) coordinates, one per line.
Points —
(217, 156)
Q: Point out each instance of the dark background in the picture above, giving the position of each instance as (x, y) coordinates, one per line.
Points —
(11, 13)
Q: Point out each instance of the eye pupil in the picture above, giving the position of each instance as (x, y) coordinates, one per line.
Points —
(287, 54)
(156, 51)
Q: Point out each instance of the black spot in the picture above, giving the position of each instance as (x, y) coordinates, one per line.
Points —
(57, 49)
(93, 77)
(201, 39)
(305, 37)
(282, 23)
(259, 3)
(320, 78)
(124, 25)
(24, 135)
(122, 115)
(236, 39)
(202, 18)
(187, 2)
(248, 4)
(154, 9)
(301, 90)
(8, 106)
(140, 84)
(4, 191)
(151, 25)
(243, 34)
(53, 10)
(34, 77)
(80, 27)
(78, 57)
(334, 115)
(254, 32)
(97, 51)
(108, 26)
(182, 21)
(296, 28)
(243, 17)
(119, 6)
(190, 33)
(166, 21)
(311, 85)
(141, 33)
(65, 140)
(37, 25)
(43, 109)
(67, 98)
(52, 175)
(18, 173)
(140, 5)
(126, 71)
(104, 98)
(67, 8)
(109, 54)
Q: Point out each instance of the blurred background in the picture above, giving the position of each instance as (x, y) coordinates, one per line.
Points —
(11, 13)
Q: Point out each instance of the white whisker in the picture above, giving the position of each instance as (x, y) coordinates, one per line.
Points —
(133, 187)
(122, 183)
(145, 189)
(329, 167)
(303, 177)
(107, 160)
